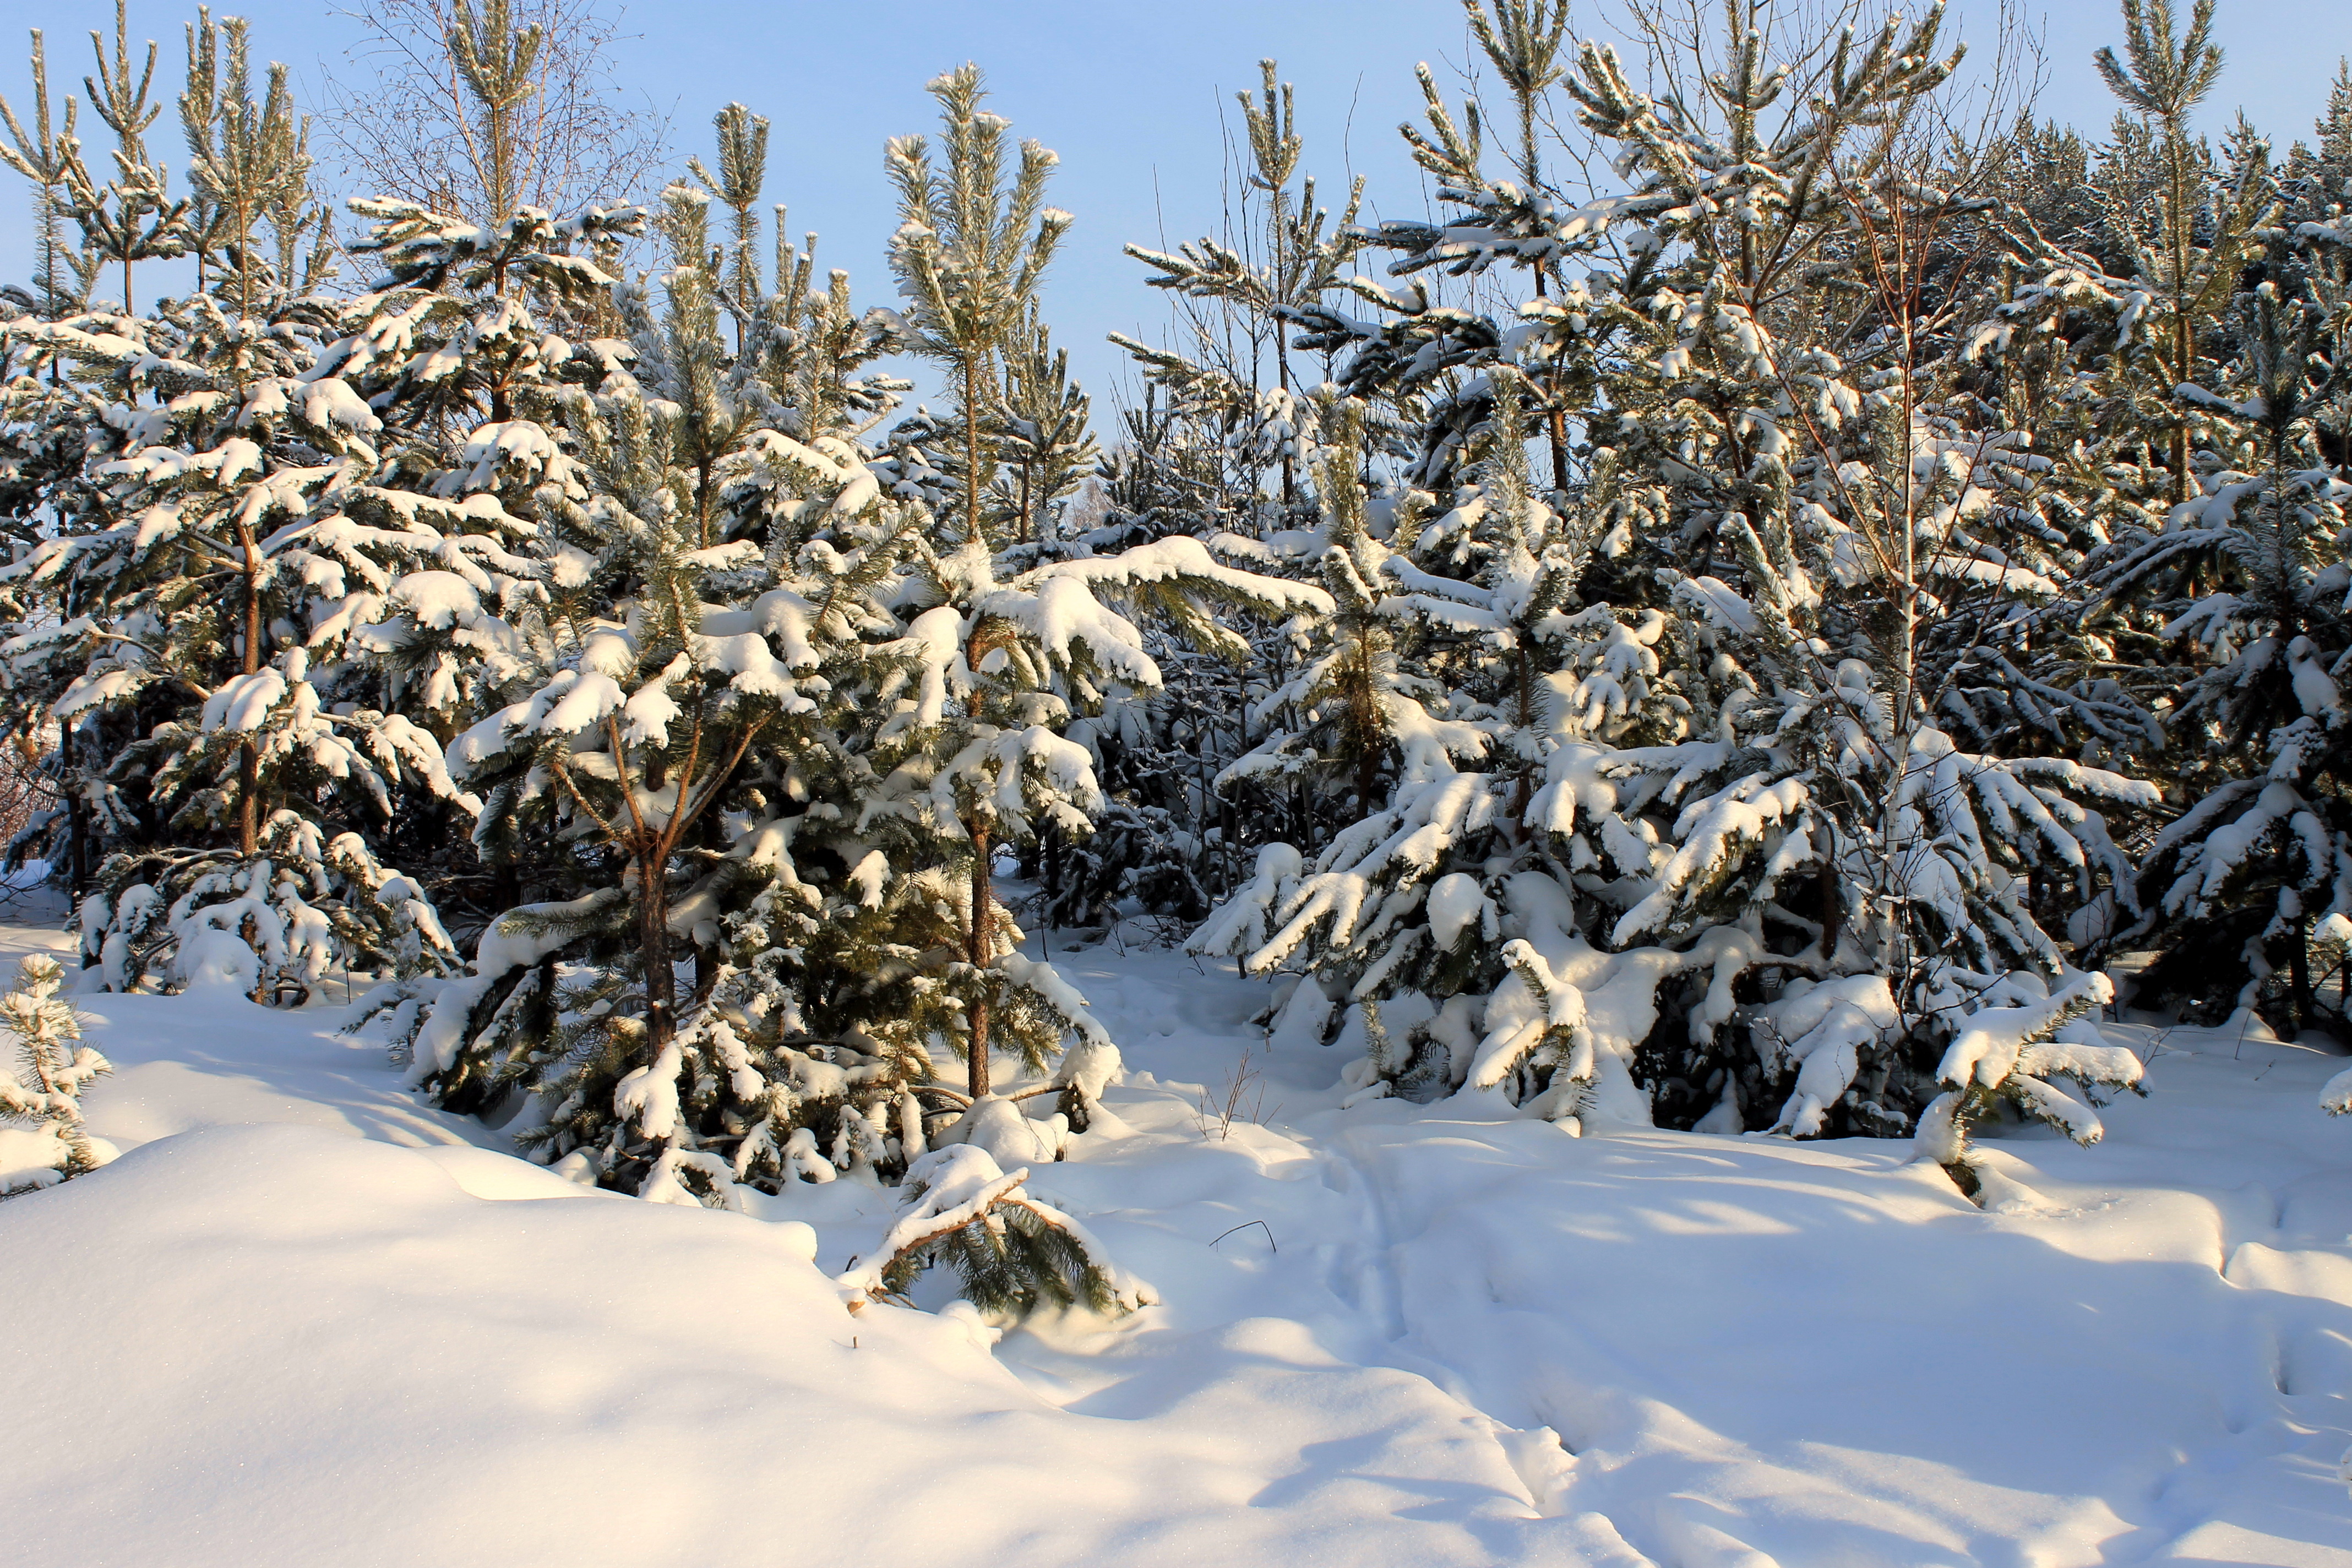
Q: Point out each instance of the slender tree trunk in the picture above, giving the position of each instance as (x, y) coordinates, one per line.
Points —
(76, 818)
(1289, 459)
(1523, 791)
(979, 954)
(1052, 867)
(249, 756)
(653, 944)
(971, 533)
(2183, 332)
(2299, 972)
(1555, 418)
(1832, 916)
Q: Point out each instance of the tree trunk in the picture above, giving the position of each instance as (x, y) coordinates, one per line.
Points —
(978, 954)
(2298, 973)
(971, 533)
(1052, 867)
(77, 817)
(1555, 418)
(1289, 465)
(1523, 791)
(1833, 917)
(249, 756)
(653, 944)
(249, 786)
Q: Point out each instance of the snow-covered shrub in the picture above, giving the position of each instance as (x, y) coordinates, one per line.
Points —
(45, 1085)
(300, 906)
(1134, 852)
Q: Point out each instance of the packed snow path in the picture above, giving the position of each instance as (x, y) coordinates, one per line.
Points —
(1391, 1335)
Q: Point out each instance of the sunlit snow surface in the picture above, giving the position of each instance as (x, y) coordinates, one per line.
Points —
(306, 1320)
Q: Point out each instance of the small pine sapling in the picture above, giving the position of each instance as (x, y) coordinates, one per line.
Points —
(1014, 1252)
(53, 1069)
(2017, 1036)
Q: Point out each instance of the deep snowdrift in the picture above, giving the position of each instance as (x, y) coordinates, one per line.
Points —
(254, 1342)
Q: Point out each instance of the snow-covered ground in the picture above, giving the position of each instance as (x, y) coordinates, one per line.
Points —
(305, 1320)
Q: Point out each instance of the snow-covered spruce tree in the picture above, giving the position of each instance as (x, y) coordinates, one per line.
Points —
(45, 1085)
(2251, 575)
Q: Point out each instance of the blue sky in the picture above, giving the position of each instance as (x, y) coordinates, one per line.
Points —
(1130, 94)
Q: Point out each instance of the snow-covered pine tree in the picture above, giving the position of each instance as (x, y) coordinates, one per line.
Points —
(1284, 255)
(249, 165)
(132, 218)
(2019, 1034)
(62, 273)
(2190, 242)
(45, 1085)
(975, 759)
(2249, 575)
(891, 755)
(972, 246)
(181, 606)
(1044, 444)
(1786, 519)
(710, 579)
(1014, 1252)
(972, 761)
(1861, 503)
(1476, 683)
(2124, 271)
(1225, 448)
(47, 420)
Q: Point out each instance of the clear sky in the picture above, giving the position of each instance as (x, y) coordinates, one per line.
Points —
(1130, 94)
